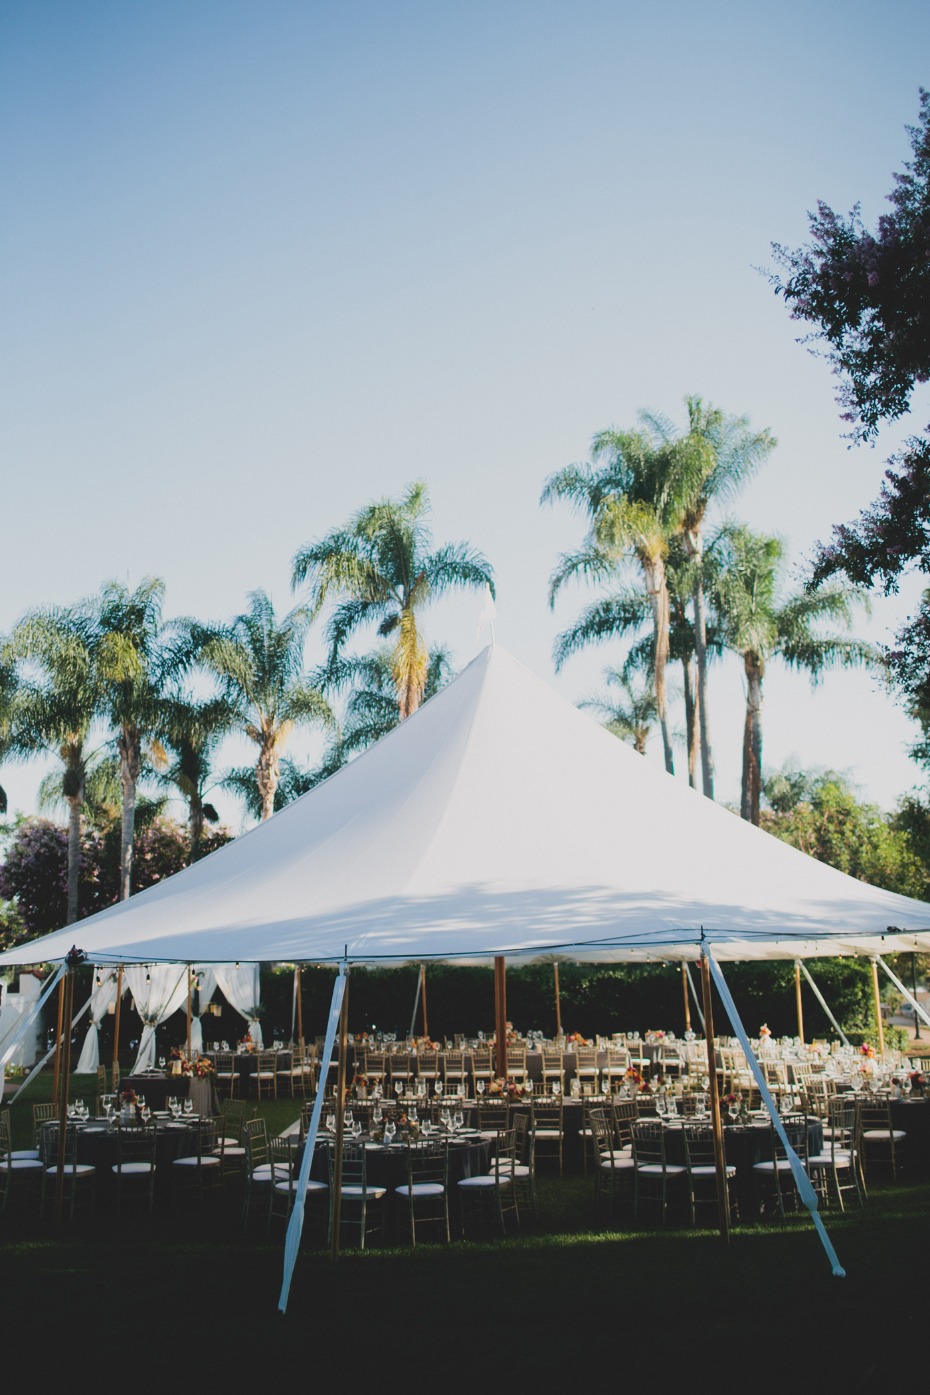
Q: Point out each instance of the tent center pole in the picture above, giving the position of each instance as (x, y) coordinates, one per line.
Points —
(797, 997)
(423, 999)
(878, 1010)
(720, 1162)
(189, 1008)
(116, 1013)
(340, 1122)
(558, 1002)
(684, 989)
(500, 1014)
(300, 1010)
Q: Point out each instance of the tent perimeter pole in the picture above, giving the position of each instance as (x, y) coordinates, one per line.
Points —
(684, 989)
(188, 1012)
(423, 999)
(723, 1196)
(119, 1000)
(300, 1010)
(340, 1122)
(878, 1010)
(61, 1005)
(67, 984)
(500, 1013)
(558, 1000)
(797, 998)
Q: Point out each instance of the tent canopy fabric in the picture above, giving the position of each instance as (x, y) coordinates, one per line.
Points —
(498, 820)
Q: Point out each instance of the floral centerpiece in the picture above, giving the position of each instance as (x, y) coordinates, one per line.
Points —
(633, 1077)
(577, 1039)
(181, 1064)
(360, 1086)
(508, 1088)
(202, 1066)
(918, 1081)
(765, 1032)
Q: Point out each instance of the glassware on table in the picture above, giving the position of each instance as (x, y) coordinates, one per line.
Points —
(458, 1120)
(390, 1129)
(444, 1116)
(398, 1088)
(479, 1086)
(438, 1088)
(161, 1063)
(527, 1086)
(349, 1119)
(188, 1105)
(330, 1123)
(556, 1088)
(145, 1113)
(733, 1110)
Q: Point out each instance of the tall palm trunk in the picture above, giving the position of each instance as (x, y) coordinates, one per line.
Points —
(130, 763)
(657, 591)
(694, 545)
(752, 739)
(410, 664)
(73, 790)
(267, 774)
(195, 824)
(691, 720)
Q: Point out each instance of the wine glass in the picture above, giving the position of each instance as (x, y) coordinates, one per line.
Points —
(390, 1129)
(330, 1123)
(145, 1113)
(438, 1088)
(906, 1085)
(398, 1088)
(479, 1086)
(527, 1086)
(349, 1119)
(188, 1105)
(458, 1120)
(733, 1110)
(161, 1063)
(556, 1088)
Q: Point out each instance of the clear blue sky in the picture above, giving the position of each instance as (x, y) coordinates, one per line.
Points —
(264, 263)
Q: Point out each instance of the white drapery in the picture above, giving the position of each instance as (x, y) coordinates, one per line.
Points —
(206, 986)
(102, 995)
(239, 984)
(157, 990)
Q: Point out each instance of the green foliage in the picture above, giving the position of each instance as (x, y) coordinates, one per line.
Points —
(818, 812)
(34, 873)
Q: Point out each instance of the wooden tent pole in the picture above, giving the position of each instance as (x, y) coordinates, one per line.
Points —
(189, 1008)
(684, 989)
(558, 1000)
(67, 983)
(500, 1013)
(116, 1015)
(797, 996)
(878, 1010)
(300, 1011)
(720, 1162)
(61, 1007)
(340, 1122)
(423, 999)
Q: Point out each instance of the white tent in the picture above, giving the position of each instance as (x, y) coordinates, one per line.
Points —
(499, 820)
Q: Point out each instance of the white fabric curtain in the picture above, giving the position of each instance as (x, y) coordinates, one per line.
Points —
(206, 987)
(102, 995)
(239, 984)
(157, 990)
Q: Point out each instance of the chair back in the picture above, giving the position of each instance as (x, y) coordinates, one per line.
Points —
(699, 1145)
(649, 1143)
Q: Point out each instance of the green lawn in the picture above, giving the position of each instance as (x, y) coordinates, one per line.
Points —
(187, 1295)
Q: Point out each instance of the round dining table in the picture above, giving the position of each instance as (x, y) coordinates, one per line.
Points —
(97, 1143)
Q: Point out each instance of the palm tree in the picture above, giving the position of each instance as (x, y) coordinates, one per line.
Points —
(259, 661)
(193, 729)
(714, 458)
(56, 709)
(635, 505)
(759, 624)
(631, 715)
(372, 708)
(381, 566)
(134, 663)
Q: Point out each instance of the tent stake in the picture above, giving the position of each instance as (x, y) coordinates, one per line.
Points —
(797, 997)
(878, 1009)
(340, 1123)
(500, 1013)
(720, 1162)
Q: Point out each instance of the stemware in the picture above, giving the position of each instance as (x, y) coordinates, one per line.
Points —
(733, 1110)
(330, 1123)
(458, 1121)
(161, 1063)
(390, 1129)
(479, 1086)
(188, 1105)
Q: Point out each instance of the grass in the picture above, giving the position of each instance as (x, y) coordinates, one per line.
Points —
(187, 1294)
